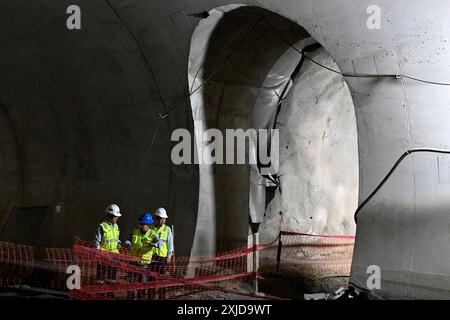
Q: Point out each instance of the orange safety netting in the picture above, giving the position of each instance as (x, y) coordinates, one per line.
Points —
(120, 276)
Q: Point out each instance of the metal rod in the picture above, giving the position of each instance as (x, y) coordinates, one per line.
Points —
(280, 246)
(255, 261)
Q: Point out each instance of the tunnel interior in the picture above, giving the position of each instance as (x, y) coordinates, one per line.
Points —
(86, 118)
(78, 115)
(238, 63)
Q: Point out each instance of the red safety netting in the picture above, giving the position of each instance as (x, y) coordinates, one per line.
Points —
(121, 276)
(306, 254)
(16, 261)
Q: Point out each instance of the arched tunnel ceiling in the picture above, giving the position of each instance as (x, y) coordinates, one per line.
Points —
(77, 106)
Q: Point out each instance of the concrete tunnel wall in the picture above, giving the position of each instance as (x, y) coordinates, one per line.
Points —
(78, 114)
(131, 56)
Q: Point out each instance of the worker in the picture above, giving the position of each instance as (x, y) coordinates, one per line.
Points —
(143, 240)
(141, 244)
(162, 255)
(107, 239)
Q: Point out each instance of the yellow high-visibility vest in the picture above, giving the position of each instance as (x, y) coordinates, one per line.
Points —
(110, 238)
(141, 245)
(163, 234)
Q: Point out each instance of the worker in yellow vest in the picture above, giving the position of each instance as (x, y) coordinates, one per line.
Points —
(141, 243)
(162, 255)
(107, 239)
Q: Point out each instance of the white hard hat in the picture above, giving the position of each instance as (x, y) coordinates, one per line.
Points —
(114, 210)
(161, 212)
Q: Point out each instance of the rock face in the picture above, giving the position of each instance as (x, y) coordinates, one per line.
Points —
(318, 191)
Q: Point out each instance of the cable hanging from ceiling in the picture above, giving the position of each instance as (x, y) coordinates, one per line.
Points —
(192, 91)
(350, 75)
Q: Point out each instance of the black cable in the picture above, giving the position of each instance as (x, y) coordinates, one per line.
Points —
(426, 81)
(301, 52)
(201, 85)
(309, 48)
(350, 75)
(386, 178)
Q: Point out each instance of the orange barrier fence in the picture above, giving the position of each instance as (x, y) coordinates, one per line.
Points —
(121, 276)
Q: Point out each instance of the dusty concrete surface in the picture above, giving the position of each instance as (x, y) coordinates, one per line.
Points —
(319, 176)
(294, 286)
(26, 292)
(311, 265)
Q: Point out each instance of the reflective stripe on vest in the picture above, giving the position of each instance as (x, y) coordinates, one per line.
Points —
(140, 245)
(110, 237)
(163, 234)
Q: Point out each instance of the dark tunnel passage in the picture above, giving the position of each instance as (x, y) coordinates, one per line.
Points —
(78, 113)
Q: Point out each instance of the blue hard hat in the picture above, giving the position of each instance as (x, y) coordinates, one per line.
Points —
(146, 218)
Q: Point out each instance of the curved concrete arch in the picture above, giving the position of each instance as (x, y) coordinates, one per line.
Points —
(238, 83)
(222, 216)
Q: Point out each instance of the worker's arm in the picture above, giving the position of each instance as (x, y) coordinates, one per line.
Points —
(157, 242)
(119, 244)
(98, 237)
(170, 245)
(128, 242)
(153, 241)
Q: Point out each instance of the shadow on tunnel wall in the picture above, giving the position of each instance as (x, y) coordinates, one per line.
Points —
(78, 111)
(241, 50)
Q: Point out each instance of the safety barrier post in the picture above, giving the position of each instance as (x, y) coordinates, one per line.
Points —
(174, 264)
(255, 231)
(280, 246)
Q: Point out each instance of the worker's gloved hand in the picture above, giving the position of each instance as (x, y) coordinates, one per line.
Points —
(146, 243)
(119, 246)
(169, 259)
